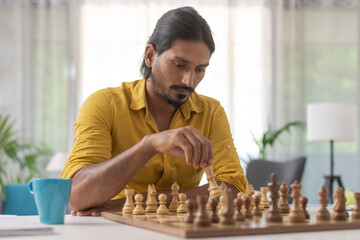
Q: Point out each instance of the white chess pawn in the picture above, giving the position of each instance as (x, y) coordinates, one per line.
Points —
(182, 207)
(162, 209)
(138, 210)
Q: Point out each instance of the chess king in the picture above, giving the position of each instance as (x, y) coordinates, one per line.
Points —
(156, 130)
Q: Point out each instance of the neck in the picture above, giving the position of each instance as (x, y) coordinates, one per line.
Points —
(161, 111)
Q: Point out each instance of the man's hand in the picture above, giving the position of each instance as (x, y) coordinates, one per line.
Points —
(185, 142)
(112, 205)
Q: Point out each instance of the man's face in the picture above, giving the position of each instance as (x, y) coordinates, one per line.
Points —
(178, 70)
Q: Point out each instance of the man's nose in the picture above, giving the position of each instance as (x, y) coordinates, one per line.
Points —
(188, 79)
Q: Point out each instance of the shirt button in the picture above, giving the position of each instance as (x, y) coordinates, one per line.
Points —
(77, 138)
(161, 181)
(228, 146)
(165, 155)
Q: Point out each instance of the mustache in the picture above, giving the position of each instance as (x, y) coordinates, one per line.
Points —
(175, 86)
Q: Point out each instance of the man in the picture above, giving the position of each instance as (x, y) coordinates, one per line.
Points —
(156, 130)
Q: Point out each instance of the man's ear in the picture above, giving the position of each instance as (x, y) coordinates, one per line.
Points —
(150, 53)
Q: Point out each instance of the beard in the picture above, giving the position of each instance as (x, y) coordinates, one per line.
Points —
(158, 80)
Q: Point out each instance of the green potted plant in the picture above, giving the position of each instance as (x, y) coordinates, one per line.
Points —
(20, 161)
(266, 142)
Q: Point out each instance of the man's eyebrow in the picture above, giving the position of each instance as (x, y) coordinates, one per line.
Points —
(187, 61)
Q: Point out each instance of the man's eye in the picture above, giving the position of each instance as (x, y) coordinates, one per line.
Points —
(200, 69)
(179, 65)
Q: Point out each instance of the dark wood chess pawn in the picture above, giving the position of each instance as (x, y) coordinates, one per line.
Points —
(274, 214)
(214, 218)
(340, 213)
(190, 204)
(201, 218)
(238, 216)
(257, 210)
(356, 212)
(323, 213)
(227, 214)
(304, 201)
(247, 212)
(284, 205)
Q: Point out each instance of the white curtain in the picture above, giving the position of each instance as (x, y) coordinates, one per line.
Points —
(35, 68)
(272, 58)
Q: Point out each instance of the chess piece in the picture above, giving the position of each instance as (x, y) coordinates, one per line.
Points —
(247, 212)
(251, 192)
(264, 199)
(214, 189)
(284, 205)
(227, 214)
(356, 212)
(201, 218)
(190, 204)
(162, 209)
(182, 206)
(223, 187)
(296, 212)
(174, 193)
(151, 203)
(339, 207)
(257, 211)
(220, 205)
(274, 214)
(260, 205)
(129, 204)
(304, 201)
(323, 213)
(138, 210)
(214, 218)
(238, 216)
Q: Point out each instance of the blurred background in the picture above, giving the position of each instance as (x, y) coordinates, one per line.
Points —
(272, 58)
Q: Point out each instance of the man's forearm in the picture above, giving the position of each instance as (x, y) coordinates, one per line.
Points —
(96, 184)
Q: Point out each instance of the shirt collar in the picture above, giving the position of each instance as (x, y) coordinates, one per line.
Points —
(138, 96)
(139, 101)
(193, 104)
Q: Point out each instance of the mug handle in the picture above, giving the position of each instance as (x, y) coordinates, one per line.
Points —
(30, 186)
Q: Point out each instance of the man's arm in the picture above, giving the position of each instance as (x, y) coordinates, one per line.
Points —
(96, 184)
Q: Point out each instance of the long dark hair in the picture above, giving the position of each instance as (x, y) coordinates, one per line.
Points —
(183, 23)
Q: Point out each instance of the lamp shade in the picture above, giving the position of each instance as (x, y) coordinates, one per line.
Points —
(331, 121)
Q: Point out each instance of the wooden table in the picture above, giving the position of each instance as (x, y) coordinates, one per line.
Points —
(97, 228)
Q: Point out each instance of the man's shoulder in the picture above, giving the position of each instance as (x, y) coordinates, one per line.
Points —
(205, 101)
(127, 87)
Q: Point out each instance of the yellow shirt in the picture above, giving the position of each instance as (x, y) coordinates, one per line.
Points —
(114, 119)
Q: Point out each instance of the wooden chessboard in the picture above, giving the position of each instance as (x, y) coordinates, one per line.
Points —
(174, 225)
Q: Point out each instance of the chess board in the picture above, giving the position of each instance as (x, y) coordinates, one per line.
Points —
(174, 225)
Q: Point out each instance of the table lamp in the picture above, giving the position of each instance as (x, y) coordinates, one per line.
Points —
(331, 122)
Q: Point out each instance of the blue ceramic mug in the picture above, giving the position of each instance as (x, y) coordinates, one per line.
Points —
(51, 198)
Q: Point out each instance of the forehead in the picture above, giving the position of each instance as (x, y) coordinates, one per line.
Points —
(193, 51)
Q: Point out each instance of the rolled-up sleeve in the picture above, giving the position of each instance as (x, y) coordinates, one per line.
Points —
(92, 141)
(227, 166)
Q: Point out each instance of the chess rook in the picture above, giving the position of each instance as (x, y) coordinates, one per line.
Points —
(129, 204)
